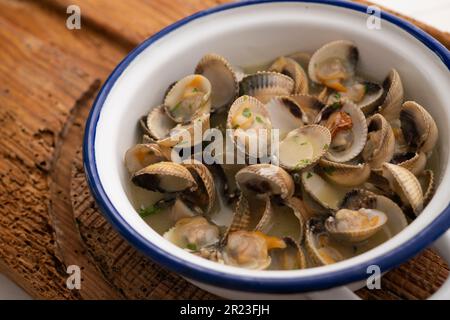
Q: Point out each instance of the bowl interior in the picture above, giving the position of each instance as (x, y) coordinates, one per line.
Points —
(251, 35)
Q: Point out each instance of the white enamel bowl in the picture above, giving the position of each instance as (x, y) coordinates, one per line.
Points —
(248, 33)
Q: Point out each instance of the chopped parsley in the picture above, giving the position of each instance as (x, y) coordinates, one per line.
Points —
(302, 163)
(325, 146)
(148, 211)
(176, 106)
(303, 143)
(259, 119)
(366, 87)
(309, 175)
(195, 90)
(329, 170)
(247, 113)
(336, 105)
(337, 95)
(191, 246)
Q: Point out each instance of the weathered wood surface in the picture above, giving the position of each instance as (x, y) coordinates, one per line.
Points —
(48, 78)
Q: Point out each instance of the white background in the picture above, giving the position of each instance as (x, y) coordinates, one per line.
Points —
(433, 12)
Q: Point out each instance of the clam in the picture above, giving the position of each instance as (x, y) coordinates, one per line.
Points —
(294, 70)
(193, 233)
(167, 133)
(310, 106)
(250, 249)
(348, 128)
(264, 85)
(164, 177)
(188, 99)
(405, 184)
(392, 102)
(355, 225)
(326, 194)
(365, 94)
(302, 58)
(285, 115)
(252, 126)
(181, 209)
(303, 147)
(380, 143)
(142, 155)
(289, 258)
(426, 180)
(418, 127)
(266, 179)
(334, 64)
(224, 83)
(347, 175)
(205, 195)
(321, 248)
(414, 162)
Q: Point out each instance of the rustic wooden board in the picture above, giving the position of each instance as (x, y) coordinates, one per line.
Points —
(49, 76)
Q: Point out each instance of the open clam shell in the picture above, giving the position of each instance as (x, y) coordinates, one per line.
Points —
(380, 143)
(251, 125)
(164, 177)
(193, 233)
(310, 105)
(250, 249)
(303, 147)
(184, 135)
(158, 123)
(406, 185)
(348, 128)
(294, 70)
(285, 115)
(333, 64)
(266, 179)
(264, 85)
(223, 79)
(188, 99)
(205, 195)
(321, 248)
(355, 225)
(428, 184)
(414, 162)
(392, 103)
(347, 175)
(289, 258)
(418, 127)
(142, 155)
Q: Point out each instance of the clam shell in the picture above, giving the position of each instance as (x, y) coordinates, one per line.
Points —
(289, 258)
(326, 194)
(264, 85)
(158, 123)
(393, 87)
(294, 70)
(356, 234)
(253, 139)
(347, 175)
(223, 79)
(193, 233)
(285, 115)
(188, 99)
(142, 155)
(359, 131)
(179, 133)
(310, 142)
(406, 185)
(380, 143)
(164, 177)
(205, 194)
(302, 58)
(418, 127)
(426, 179)
(343, 50)
(266, 179)
(310, 105)
(414, 162)
(241, 218)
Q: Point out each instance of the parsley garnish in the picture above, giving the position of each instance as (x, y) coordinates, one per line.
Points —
(258, 119)
(247, 113)
(336, 105)
(329, 170)
(176, 106)
(337, 95)
(145, 212)
(303, 143)
(309, 175)
(195, 90)
(302, 163)
(191, 246)
(325, 146)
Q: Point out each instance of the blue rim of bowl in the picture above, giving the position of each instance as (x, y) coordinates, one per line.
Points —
(240, 282)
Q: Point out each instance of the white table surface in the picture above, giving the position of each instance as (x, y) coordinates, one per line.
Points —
(433, 12)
